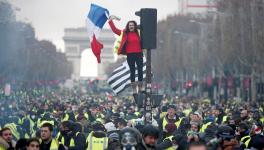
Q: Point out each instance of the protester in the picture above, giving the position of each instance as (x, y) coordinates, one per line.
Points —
(79, 121)
(130, 45)
(6, 141)
(33, 144)
(47, 142)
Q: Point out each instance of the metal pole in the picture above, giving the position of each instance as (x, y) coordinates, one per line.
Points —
(148, 100)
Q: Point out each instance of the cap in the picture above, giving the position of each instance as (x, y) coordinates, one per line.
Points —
(198, 114)
(172, 106)
(117, 115)
(225, 132)
(130, 133)
(114, 136)
(164, 108)
(110, 126)
(98, 127)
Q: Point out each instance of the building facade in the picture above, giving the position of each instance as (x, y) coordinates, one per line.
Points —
(197, 6)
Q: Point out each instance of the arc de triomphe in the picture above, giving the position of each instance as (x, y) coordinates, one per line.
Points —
(76, 40)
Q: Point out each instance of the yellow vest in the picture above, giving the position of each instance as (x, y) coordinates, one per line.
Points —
(205, 126)
(245, 140)
(137, 113)
(57, 136)
(169, 138)
(163, 114)
(187, 111)
(117, 43)
(85, 115)
(54, 144)
(165, 122)
(96, 143)
(100, 120)
(27, 136)
(2, 148)
(216, 119)
(72, 143)
(66, 118)
(40, 123)
(224, 119)
(13, 128)
(262, 119)
(31, 123)
(20, 121)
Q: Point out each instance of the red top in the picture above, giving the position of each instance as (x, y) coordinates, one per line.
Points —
(132, 39)
(133, 43)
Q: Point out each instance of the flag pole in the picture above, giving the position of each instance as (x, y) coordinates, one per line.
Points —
(106, 14)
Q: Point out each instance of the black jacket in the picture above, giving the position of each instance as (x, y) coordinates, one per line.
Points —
(181, 140)
(79, 141)
(257, 141)
(142, 146)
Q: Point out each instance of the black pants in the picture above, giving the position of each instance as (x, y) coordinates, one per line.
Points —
(132, 59)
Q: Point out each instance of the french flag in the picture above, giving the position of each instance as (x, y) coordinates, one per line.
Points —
(95, 21)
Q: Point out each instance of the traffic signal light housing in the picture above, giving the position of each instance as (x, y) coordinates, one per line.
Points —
(148, 27)
(156, 99)
(140, 97)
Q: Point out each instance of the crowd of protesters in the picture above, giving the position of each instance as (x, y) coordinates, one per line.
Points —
(36, 119)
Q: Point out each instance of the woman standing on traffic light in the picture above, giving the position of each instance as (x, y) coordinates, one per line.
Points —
(130, 45)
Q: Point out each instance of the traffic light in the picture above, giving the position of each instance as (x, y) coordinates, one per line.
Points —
(189, 84)
(156, 99)
(140, 97)
(148, 27)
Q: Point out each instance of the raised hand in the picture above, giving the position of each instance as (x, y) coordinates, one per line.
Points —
(112, 17)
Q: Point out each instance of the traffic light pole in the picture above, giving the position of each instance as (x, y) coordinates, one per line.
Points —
(148, 33)
(148, 100)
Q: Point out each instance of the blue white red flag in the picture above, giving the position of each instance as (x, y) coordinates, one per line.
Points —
(95, 21)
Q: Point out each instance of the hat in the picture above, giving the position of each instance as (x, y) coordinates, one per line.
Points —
(198, 114)
(225, 132)
(257, 129)
(116, 115)
(94, 105)
(194, 123)
(164, 108)
(114, 136)
(132, 132)
(110, 126)
(257, 142)
(69, 124)
(171, 106)
(98, 126)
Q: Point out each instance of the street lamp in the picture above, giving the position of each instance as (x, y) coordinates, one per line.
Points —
(194, 38)
(175, 32)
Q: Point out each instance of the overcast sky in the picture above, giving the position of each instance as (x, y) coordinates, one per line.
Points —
(50, 17)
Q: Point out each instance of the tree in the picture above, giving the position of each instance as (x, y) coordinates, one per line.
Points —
(23, 57)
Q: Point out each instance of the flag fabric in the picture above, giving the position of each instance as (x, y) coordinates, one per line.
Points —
(119, 79)
(95, 21)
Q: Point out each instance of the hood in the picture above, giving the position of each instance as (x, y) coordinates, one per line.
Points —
(3, 143)
(145, 146)
(99, 134)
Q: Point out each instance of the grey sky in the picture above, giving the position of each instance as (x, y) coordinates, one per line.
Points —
(50, 17)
